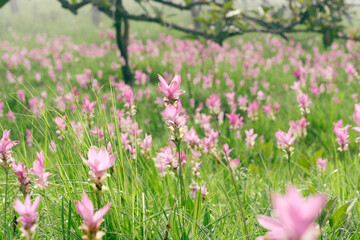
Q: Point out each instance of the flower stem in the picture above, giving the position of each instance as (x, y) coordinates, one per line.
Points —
(6, 192)
(181, 180)
(233, 181)
(289, 163)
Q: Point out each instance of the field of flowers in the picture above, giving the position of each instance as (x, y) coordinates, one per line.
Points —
(253, 138)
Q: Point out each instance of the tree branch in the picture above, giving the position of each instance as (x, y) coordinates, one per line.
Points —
(73, 7)
(187, 6)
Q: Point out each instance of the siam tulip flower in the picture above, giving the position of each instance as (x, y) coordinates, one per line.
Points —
(129, 99)
(234, 163)
(196, 169)
(295, 216)
(250, 138)
(242, 100)
(252, 110)
(23, 180)
(192, 138)
(175, 121)
(171, 91)
(321, 163)
(299, 127)
(6, 144)
(29, 137)
(52, 146)
(356, 117)
(99, 162)
(276, 107)
(11, 116)
(28, 216)
(227, 150)
(21, 95)
(339, 124)
(285, 140)
(132, 151)
(214, 103)
(236, 122)
(99, 132)
(92, 221)
(146, 144)
(88, 109)
(61, 125)
(342, 140)
(194, 189)
(269, 111)
(304, 103)
(39, 170)
(204, 191)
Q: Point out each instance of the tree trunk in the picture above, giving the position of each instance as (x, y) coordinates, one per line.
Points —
(122, 39)
(14, 6)
(95, 15)
(195, 11)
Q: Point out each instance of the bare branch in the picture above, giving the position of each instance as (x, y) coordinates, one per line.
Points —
(188, 6)
(73, 7)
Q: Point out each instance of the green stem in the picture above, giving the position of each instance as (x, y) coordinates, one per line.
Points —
(178, 147)
(289, 163)
(6, 195)
(233, 180)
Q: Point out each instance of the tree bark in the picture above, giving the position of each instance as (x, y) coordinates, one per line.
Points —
(14, 7)
(122, 39)
(95, 15)
(195, 11)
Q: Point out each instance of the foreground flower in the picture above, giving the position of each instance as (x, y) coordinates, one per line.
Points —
(92, 221)
(28, 216)
(295, 216)
(171, 91)
(6, 144)
(39, 170)
(250, 138)
(99, 162)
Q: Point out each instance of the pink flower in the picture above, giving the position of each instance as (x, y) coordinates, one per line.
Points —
(204, 191)
(23, 180)
(174, 117)
(99, 162)
(342, 140)
(252, 110)
(6, 144)
(236, 122)
(299, 127)
(304, 103)
(356, 117)
(29, 137)
(28, 215)
(146, 144)
(171, 91)
(92, 221)
(88, 107)
(321, 163)
(21, 95)
(285, 140)
(39, 170)
(191, 137)
(214, 103)
(11, 116)
(295, 216)
(250, 138)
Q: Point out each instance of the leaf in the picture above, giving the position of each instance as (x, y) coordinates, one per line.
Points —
(328, 211)
(228, 6)
(311, 189)
(340, 216)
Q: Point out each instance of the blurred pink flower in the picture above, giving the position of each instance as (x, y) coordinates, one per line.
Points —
(39, 170)
(295, 216)
(92, 221)
(171, 91)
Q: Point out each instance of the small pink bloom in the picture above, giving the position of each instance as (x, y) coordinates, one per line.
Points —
(321, 163)
(342, 140)
(250, 138)
(304, 103)
(171, 91)
(39, 170)
(285, 140)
